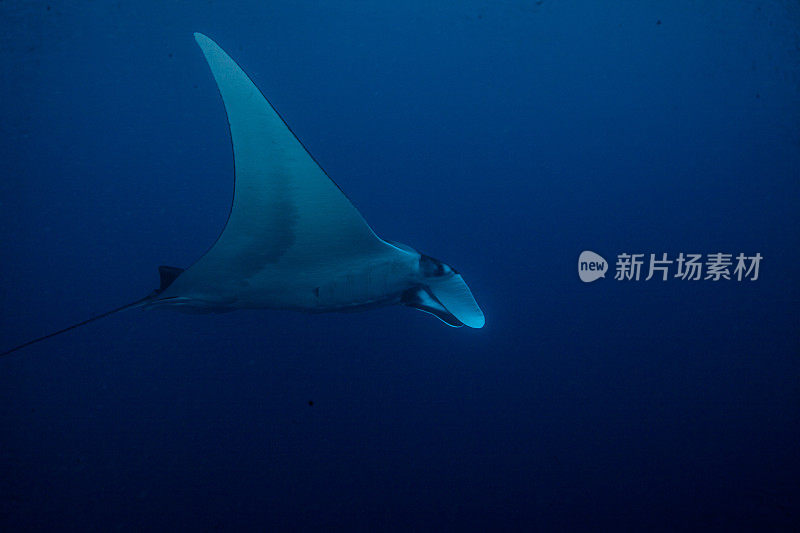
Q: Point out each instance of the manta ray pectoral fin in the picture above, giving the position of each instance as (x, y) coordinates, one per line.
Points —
(455, 296)
(420, 298)
(286, 211)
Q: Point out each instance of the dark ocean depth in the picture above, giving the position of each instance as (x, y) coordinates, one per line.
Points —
(504, 137)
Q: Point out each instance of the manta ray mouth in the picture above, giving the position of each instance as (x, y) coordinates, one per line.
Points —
(456, 297)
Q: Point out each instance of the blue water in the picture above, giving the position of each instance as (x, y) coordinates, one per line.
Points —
(503, 137)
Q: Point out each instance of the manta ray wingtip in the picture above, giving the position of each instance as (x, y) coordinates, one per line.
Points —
(201, 39)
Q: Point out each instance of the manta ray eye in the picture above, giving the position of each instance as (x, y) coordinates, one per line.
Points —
(431, 267)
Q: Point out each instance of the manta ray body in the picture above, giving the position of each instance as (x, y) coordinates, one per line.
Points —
(293, 240)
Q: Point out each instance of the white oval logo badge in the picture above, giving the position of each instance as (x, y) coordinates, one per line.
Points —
(591, 266)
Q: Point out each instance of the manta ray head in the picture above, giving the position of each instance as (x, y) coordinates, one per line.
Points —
(441, 291)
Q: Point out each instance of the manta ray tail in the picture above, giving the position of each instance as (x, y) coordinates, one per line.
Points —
(167, 274)
(79, 324)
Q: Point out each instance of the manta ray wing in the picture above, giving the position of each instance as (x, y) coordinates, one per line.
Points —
(286, 211)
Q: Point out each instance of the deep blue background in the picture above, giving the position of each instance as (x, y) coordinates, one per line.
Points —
(503, 137)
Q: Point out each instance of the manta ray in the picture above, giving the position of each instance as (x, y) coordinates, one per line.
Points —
(293, 240)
